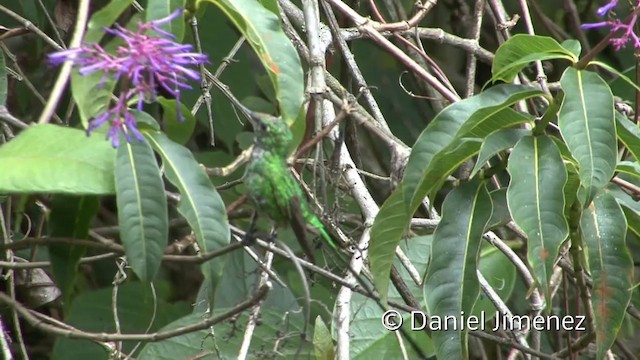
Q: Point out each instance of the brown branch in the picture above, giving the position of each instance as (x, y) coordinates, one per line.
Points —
(34, 321)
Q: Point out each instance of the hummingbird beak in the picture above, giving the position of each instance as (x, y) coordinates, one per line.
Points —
(253, 118)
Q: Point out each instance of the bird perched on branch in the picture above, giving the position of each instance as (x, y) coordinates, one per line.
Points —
(271, 186)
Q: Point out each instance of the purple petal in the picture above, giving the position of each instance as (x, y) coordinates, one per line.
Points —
(603, 10)
(589, 26)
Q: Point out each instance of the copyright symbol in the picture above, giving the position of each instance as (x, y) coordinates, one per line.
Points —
(391, 320)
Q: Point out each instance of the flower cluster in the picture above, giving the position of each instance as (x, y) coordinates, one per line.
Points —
(615, 25)
(149, 58)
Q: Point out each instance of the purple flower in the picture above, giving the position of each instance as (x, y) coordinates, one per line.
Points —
(615, 25)
(149, 59)
(603, 10)
(120, 119)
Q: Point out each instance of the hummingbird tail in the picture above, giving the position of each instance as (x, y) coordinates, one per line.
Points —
(317, 224)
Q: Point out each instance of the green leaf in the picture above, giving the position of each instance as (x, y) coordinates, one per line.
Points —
(178, 131)
(137, 306)
(629, 167)
(500, 273)
(386, 237)
(621, 76)
(201, 345)
(55, 159)
(369, 340)
(604, 228)
(522, 49)
(322, 341)
(536, 201)
(500, 215)
(586, 122)
(451, 284)
(158, 9)
(92, 93)
(439, 149)
(200, 203)
(262, 29)
(455, 122)
(498, 141)
(70, 217)
(142, 208)
(629, 135)
(104, 17)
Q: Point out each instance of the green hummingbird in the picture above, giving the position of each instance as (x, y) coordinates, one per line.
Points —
(271, 186)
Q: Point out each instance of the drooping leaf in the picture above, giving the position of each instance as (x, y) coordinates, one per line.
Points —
(70, 217)
(262, 29)
(200, 203)
(142, 208)
(497, 142)
(55, 159)
(452, 137)
(451, 284)
(536, 201)
(629, 134)
(586, 121)
(604, 229)
(522, 49)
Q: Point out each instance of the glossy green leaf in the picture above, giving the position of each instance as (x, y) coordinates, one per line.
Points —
(262, 29)
(500, 215)
(633, 219)
(322, 341)
(179, 131)
(200, 203)
(451, 285)
(436, 153)
(386, 237)
(56, 159)
(629, 134)
(444, 163)
(498, 141)
(586, 121)
(536, 201)
(522, 49)
(455, 122)
(142, 208)
(622, 78)
(628, 167)
(92, 93)
(70, 217)
(604, 228)
(158, 9)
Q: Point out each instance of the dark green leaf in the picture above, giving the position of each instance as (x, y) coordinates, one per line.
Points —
(536, 202)
(200, 203)
(586, 121)
(142, 208)
(604, 228)
(451, 284)
(522, 49)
